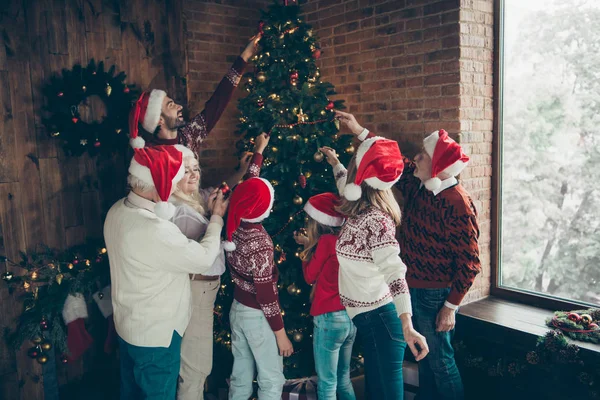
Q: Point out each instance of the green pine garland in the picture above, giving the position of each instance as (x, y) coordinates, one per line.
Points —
(65, 93)
(48, 277)
(579, 325)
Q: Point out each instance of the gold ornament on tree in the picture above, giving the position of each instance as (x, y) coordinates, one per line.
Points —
(301, 116)
(350, 149)
(46, 346)
(261, 77)
(297, 200)
(108, 89)
(43, 359)
(298, 337)
(318, 156)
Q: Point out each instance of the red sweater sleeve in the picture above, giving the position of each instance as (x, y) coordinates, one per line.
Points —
(193, 134)
(324, 251)
(254, 167)
(463, 234)
(266, 289)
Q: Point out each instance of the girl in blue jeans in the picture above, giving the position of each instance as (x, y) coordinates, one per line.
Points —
(334, 332)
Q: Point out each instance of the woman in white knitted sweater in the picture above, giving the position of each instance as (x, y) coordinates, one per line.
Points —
(372, 276)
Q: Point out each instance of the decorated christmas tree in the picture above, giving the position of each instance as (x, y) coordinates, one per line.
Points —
(287, 99)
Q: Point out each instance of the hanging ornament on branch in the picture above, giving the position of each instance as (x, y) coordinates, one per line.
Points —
(302, 181)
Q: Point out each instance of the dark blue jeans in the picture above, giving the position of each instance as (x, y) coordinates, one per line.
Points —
(149, 373)
(438, 374)
(380, 332)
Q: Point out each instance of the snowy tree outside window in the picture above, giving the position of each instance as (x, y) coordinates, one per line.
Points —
(550, 148)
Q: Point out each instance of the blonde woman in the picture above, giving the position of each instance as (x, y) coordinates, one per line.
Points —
(192, 218)
(372, 276)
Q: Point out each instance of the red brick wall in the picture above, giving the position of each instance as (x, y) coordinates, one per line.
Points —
(409, 67)
(476, 118)
(216, 33)
(404, 67)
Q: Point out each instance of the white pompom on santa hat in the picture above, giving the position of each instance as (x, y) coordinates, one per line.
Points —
(251, 201)
(378, 163)
(446, 157)
(321, 208)
(160, 167)
(146, 111)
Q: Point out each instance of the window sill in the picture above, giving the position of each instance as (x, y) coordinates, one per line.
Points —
(519, 319)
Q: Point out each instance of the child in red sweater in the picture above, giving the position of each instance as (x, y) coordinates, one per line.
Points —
(334, 332)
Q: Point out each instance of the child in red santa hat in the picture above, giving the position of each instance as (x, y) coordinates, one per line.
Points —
(439, 244)
(372, 276)
(334, 332)
(258, 337)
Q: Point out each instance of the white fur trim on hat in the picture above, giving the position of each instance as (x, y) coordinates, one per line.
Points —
(378, 184)
(455, 168)
(164, 210)
(229, 246)
(321, 217)
(352, 192)
(141, 172)
(137, 143)
(430, 142)
(268, 212)
(186, 151)
(153, 110)
(74, 308)
(433, 184)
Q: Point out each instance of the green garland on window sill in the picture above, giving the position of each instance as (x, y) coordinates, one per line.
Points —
(579, 325)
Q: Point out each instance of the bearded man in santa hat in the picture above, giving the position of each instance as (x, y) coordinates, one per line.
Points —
(150, 262)
(439, 245)
(161, 119)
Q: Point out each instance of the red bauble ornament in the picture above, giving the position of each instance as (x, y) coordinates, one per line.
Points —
(75, 120)
(593, 326)
(260, 103)
(294, 75)
(302, 181)
(574, 317)
(316, 54)
(225, 189)
(126, 90)
(330, 106)
(34, 352)
(97, 144)
(75, 261)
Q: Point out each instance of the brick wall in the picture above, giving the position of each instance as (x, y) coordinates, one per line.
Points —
(404, 67)
(409, 67)
(476, 118)
(216, 33)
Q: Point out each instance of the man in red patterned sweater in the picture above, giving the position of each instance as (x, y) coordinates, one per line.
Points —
(439, 245)
(162, 119)
(258, 337)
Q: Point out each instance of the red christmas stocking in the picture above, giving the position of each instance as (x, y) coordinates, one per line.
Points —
(78, 338)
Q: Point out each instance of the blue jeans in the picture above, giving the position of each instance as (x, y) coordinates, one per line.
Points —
(380, 332)
(253, 344)
(333, 338)
(438, 374)
(149, 373)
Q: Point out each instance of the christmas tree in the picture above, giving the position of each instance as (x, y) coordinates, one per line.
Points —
(287, 99)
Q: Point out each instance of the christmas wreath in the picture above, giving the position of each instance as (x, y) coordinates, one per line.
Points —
(65, 96)
(579, 324)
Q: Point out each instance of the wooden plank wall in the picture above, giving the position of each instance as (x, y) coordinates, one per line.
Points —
(46, 197)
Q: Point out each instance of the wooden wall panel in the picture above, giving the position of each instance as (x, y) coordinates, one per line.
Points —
(45, 196)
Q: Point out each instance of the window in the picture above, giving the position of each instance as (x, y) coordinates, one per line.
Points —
(549, 165)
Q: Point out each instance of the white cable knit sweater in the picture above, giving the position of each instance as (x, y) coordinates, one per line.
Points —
(371, 271)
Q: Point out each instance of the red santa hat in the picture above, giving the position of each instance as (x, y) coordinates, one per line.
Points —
(321, 208)
(160, 167)
(146, 111)
(446, 156)
(378, 163)
(251, 201)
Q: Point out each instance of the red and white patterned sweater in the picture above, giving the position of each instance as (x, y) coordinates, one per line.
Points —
(254, 272)
(193, 133)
